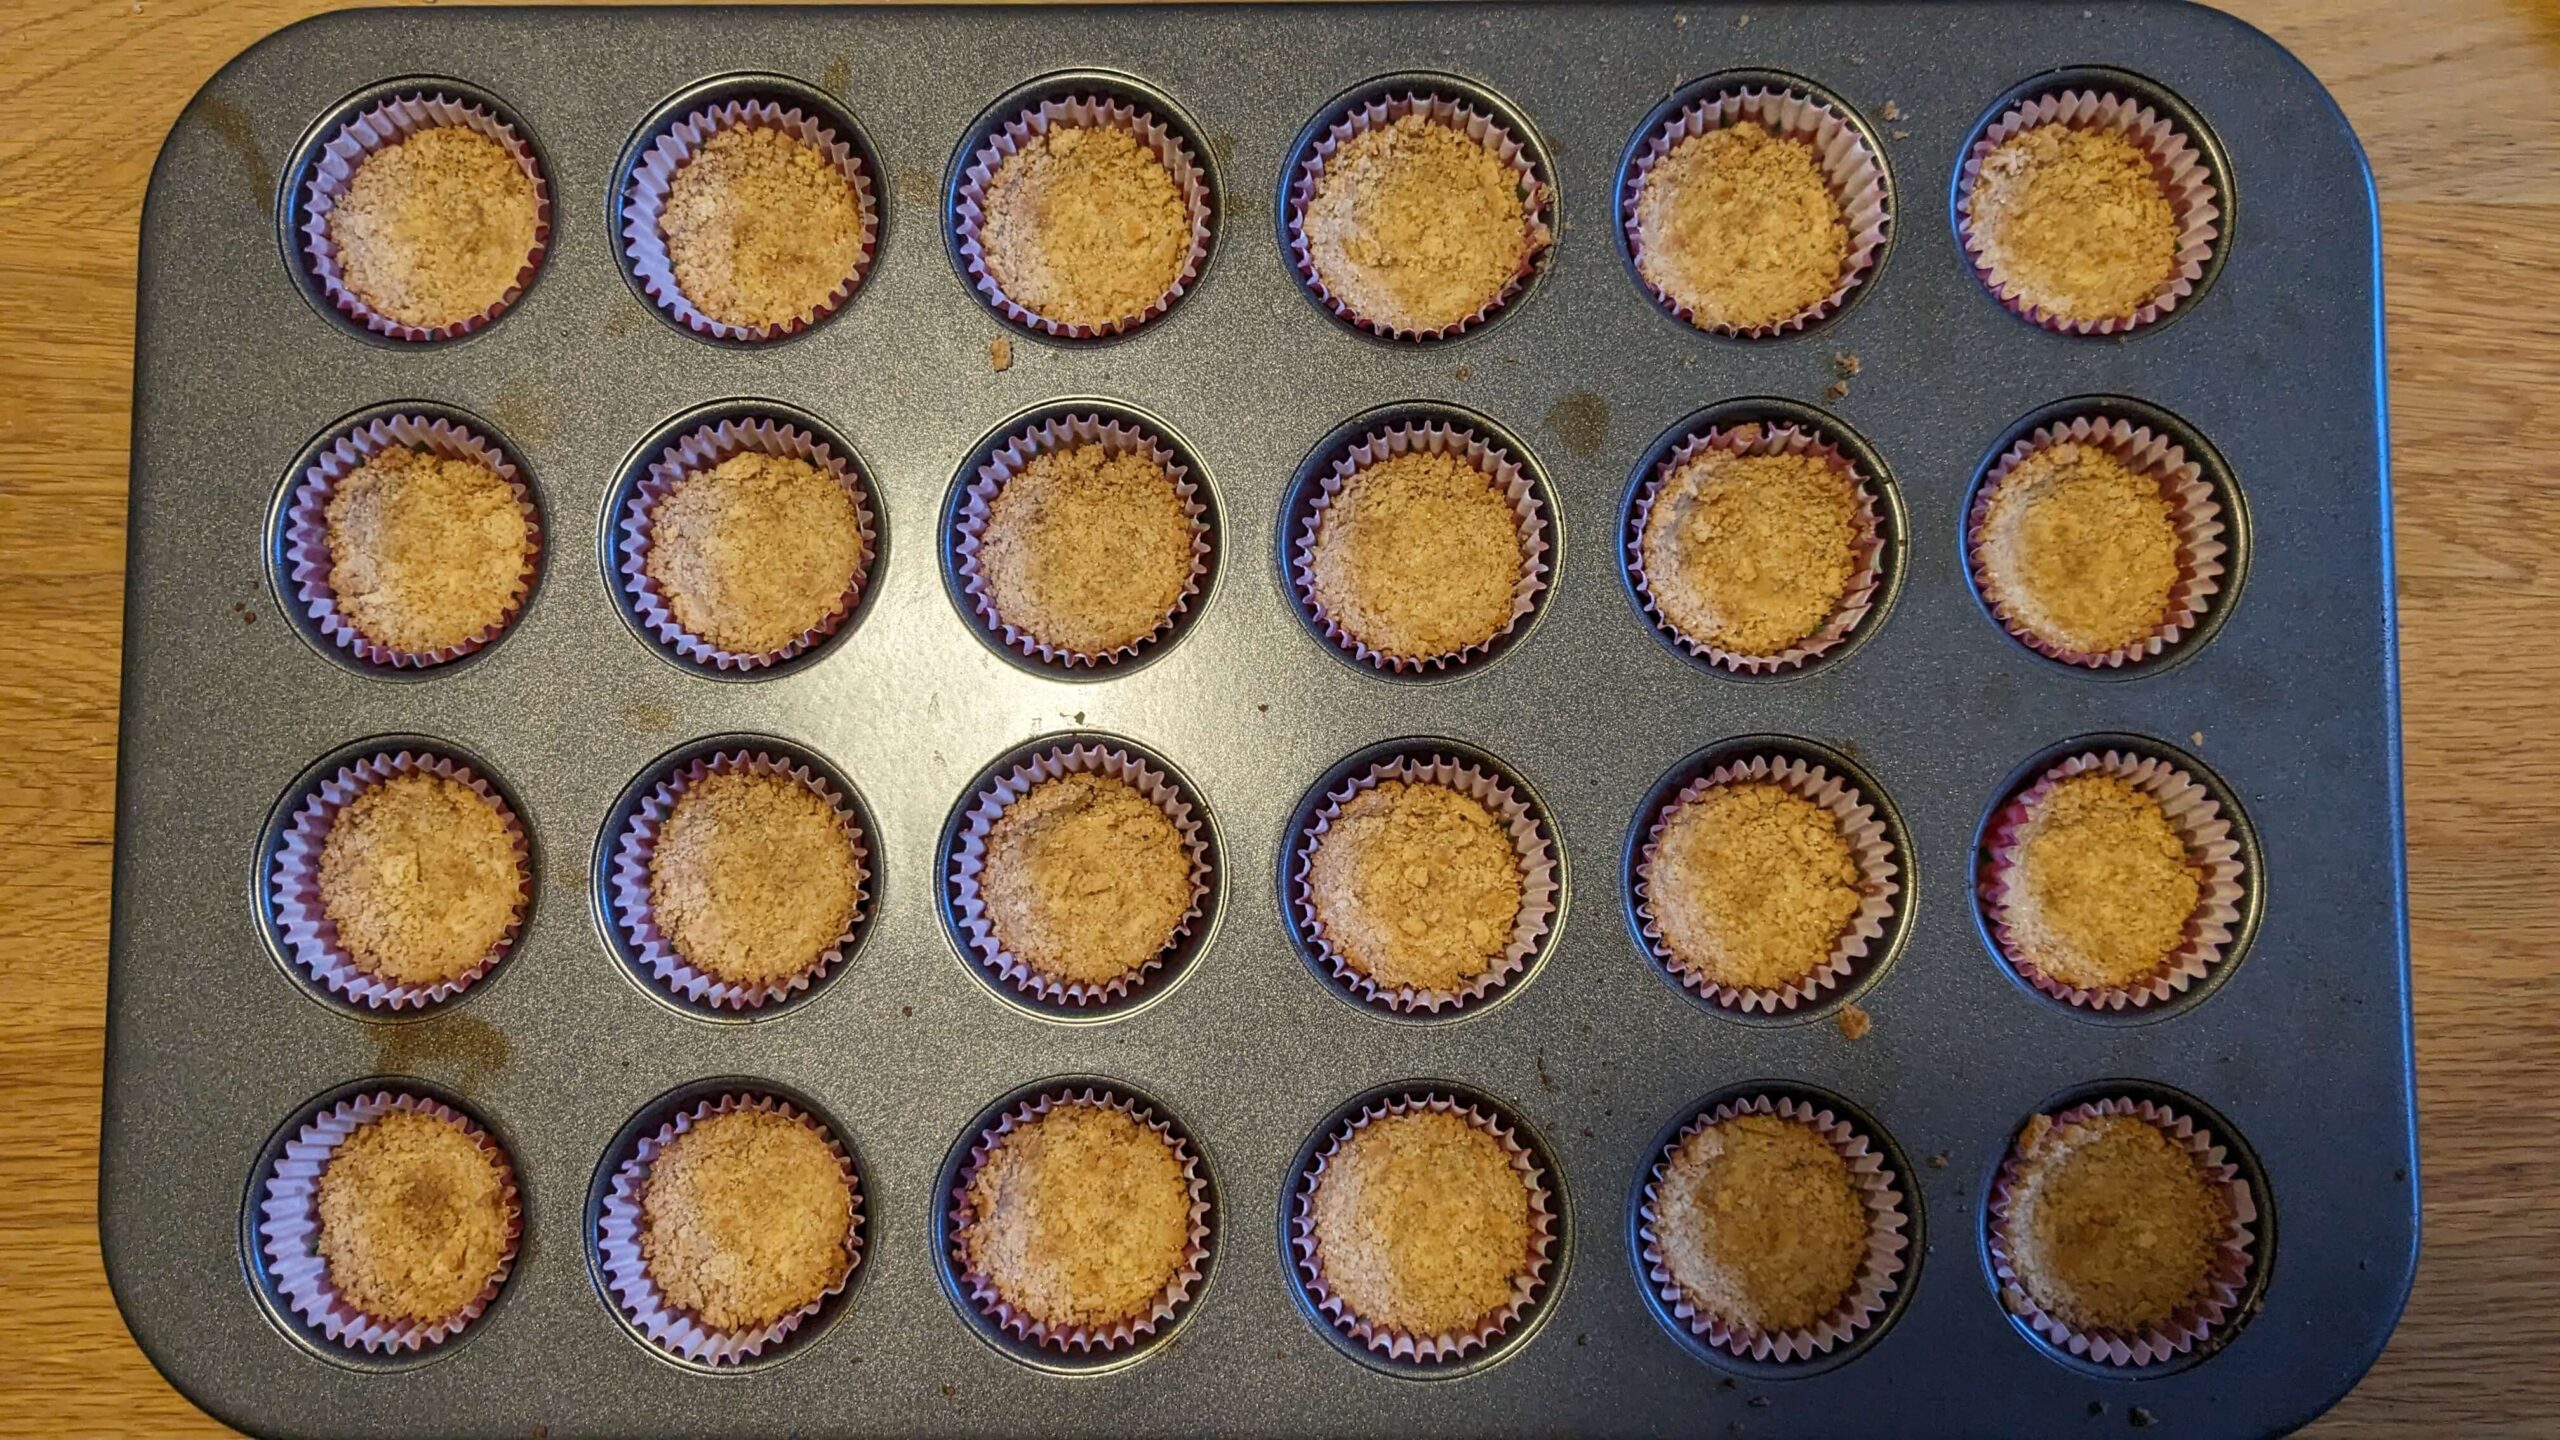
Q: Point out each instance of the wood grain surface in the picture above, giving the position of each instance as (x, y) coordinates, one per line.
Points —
(2452, 98)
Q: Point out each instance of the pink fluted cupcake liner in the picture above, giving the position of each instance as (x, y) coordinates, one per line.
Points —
(2190, 1326)
(1060, 433)
(969, 210)
(969, 858)
(1878, 1273)
(704, 449)
(303, 924)
(619, 1229)
(1485, 130)
(308, 561)
(1083, 1339)
(1850, 169)
(2213, 853)
(1866, 579)
(379, 127)
(1436, 439)
(644, 199)
(289, 1227)
(635, 910)
(2175, 160)
(2193, 511)
(1529, 843)
(1859, 825)
(1398, 1344)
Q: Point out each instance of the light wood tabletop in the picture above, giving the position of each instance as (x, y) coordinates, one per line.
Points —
(2452, 100)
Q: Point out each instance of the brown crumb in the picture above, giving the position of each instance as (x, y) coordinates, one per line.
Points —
(1417, 225)
(1855, 1023)
(1837, 390)
(2080, 548)
(754, 877)
(1419, 556)
(1740, 226)
(434, 228)
(1751, 554)
(1760, 1223)
(756, 551)
(426, 552)
(1845, 363)
(2077, 221)
(1080, 1217)
(1087, 550)
(1084, 225)
(761, 227)
(1000, 354)
(422, 878)
(1901, 134)
(746, 1217)
(2196, 739)
(1422, 1223)
(1752, 885)
(1085, 879)
(1891, 111)
(1938, 1161)
(413, 1217)
(1416, 885)
(2101, 888)
(2111, 1223)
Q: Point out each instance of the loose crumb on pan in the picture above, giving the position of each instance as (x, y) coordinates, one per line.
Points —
(2081, 548)
(1760, 1223)
(1740, 226)
(1085, 879)
(2077, 221)
(1085, 225)
(1417, 225)
(421, 877)
(746, 1217)
(1752, 885)
(1855, 1023)
(1086, 549)
(756, 551)
(2101, 888)
(1751, 554)
(1080, 1217)
(425, 552)
(1000, 354)
(761, 227)
(2112, 1225)
(1422, 1224)
(413, 1218)
(1419, 556)
(434, 228)
(1417, 885)
(753, 877)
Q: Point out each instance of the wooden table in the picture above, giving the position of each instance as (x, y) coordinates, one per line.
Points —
(2452, 99)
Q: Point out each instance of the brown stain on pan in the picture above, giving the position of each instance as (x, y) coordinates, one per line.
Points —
(1581, 420)
(230, 125)
(460, 1049)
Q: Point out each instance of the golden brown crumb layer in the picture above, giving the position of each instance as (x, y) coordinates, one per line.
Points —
(1760, 1223)
(1418, 556)
(761, 227)
(756, 551)
(1086, 550)
(425, 552)
(434, 228)
(2076, 220)
(746, 1218)
(1752, 885)
(1416, 225)
(1422, 1224)
(1082, 1218)
(753, 877)
(1085, 879)
(2101, 888)
(2112, 1225)
(422, 878)
(1739, 226)
(1417, 885)
(1751, 554)
(413, 1218)
(1084, 225)
(2082, 548)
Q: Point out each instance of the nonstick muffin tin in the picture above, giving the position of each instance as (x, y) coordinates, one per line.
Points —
(2295, 1049)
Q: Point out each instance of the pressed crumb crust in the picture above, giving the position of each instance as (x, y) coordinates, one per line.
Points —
(2076, 221)
(1751, 554)
(1084, 225)
(413, 1217)
(1416, 885)
(1086, 550)
(1739, 226)
(1080, 1217)
(2101, 888)
(761, 227)
(1760, 1223)
(1417, 225)
(1418, 556)
(746, 1217)
(425, 552)
(2112, 1225)
(1422, 1224)
(1085, 880)
(1751, 885)
(2081, 548)
(434, 228)
(756, 551)
(753, 877)
(422, 878)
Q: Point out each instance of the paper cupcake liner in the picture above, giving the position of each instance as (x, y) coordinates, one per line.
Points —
(1439, 110)
(1083, 1339)
(1850, 169)
(303, 924)
(1433, 439)
(2175, 161)
(2193, 511)
(1402, 1344)
(969, 859)
(1536, 854)
(2211, 849)
(969, 209)
(1866, 544)
(1859, 825)
(702, 450)
(619, 1229)
(1878, 1273)
(635, 909)
(383, 125)
(289, 1227)
(1010, 458)
(2191, 1325)
(307, 557)
(644, 198)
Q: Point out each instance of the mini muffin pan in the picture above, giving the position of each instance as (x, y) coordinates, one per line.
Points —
(2294, 1050)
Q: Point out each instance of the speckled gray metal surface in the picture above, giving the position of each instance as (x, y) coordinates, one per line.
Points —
(2302, 1048)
